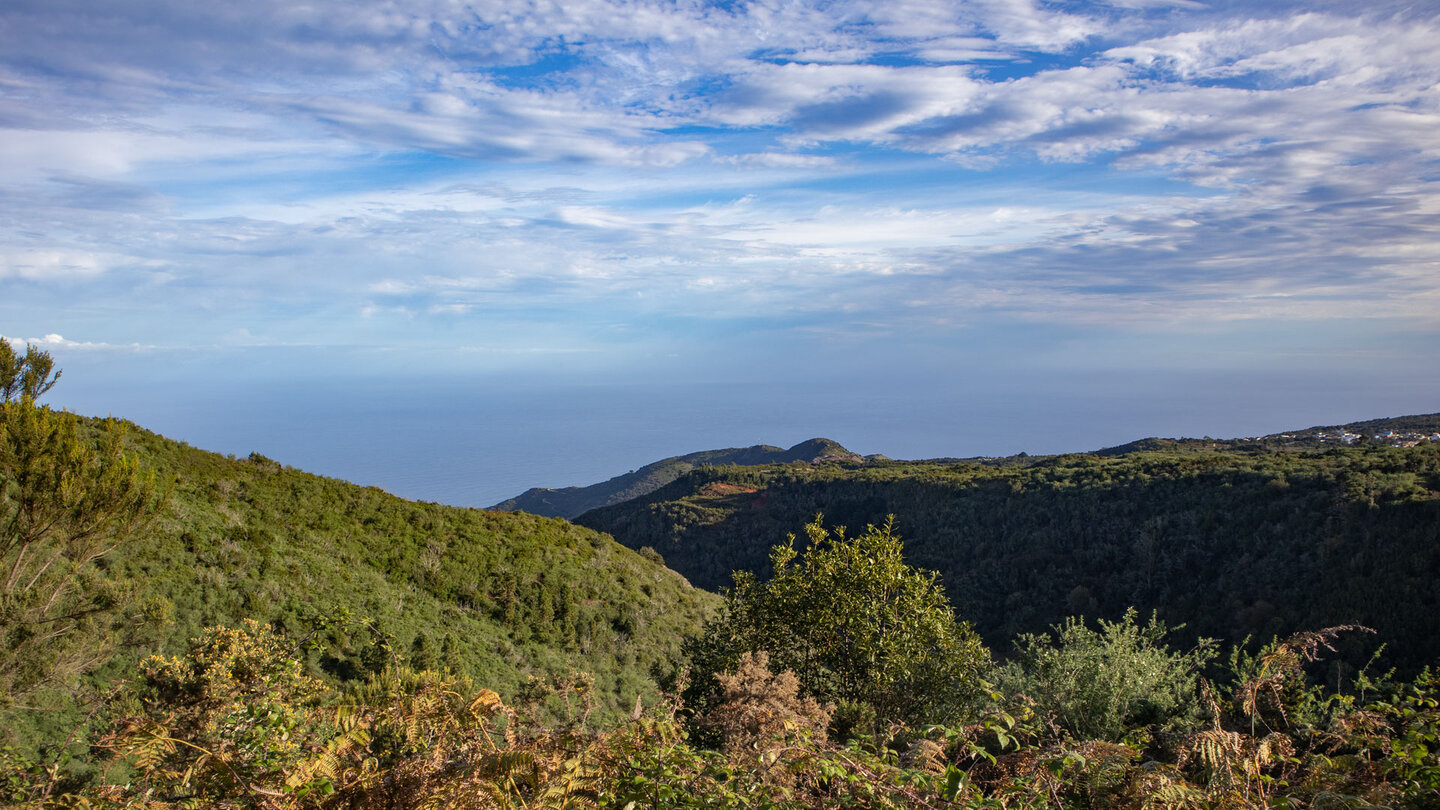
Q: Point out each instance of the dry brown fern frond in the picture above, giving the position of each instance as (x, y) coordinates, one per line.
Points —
(1270, 751)
(1163, 788)
(1017, 765)
(1283, 666)
(518, 768)
(148, 744)
(924, 755)
(1306, 645)
(1020, 779)
(1218, 752)
(1251, 693)
(450, 791)
(1236, 764)
(1211, 703)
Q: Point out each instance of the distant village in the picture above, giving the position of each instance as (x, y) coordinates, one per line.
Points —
(1391, 438)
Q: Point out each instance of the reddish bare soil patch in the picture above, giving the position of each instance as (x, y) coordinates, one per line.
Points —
(721, 490)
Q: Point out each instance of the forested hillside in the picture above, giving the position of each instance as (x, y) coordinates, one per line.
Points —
(1231, 543)
(570, 502)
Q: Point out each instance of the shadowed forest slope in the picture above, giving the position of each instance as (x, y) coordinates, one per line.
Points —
(1232, 543)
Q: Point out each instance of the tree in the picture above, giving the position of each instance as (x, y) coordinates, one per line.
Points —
(27, 377)
(855, 623)
(68, 494)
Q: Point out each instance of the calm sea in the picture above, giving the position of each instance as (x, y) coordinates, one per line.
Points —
(478, 443)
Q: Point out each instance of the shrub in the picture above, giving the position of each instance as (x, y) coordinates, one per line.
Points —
(1096, 684)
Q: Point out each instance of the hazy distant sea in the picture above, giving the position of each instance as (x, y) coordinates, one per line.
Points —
(478, 443)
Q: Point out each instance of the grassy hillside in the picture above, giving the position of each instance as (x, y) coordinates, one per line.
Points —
(571, 502)
(1233, 543)
(496, 596)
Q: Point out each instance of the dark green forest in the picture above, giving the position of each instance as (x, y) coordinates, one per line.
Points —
(1231, 543)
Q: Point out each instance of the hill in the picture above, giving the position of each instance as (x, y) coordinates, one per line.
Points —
(571, 502)
(1395, 431)
(1420, 424)
(369, 577)
(513, 593)
(1234, 541)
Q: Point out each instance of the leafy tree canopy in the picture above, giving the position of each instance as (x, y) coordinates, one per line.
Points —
(26, 376)
(856, 624)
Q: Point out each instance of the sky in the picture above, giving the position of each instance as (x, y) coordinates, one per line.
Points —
(1169, 216)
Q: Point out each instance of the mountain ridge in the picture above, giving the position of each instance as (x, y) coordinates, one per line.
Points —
(574, 501)
(571, 502)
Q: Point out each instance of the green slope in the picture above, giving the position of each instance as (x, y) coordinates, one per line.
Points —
(571, 502)
(1233, 543)
(498, 596)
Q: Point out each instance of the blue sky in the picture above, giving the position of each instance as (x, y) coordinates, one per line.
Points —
(914, 193)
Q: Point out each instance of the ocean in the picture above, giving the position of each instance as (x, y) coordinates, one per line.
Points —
(475, 442)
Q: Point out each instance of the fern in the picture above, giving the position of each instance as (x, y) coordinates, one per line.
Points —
(575, 786)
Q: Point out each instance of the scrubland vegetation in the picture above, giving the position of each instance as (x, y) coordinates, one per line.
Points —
(186, 630)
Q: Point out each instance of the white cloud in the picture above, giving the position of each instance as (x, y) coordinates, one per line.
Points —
(784, 160)
(50, 265)
(424, 159)
(54, 341)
